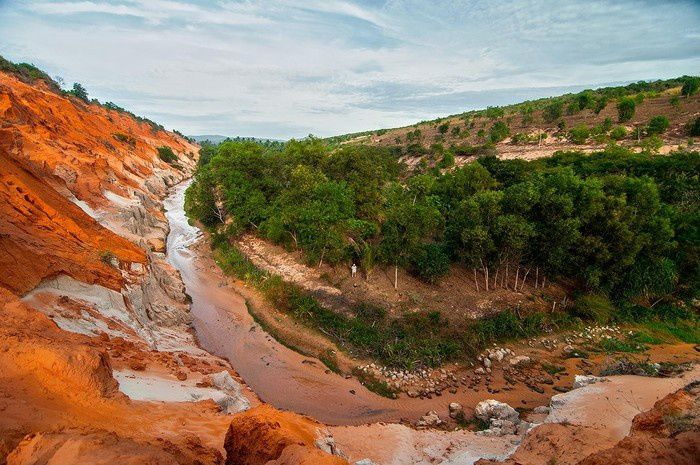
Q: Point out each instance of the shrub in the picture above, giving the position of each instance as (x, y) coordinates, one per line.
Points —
(594, 307)
(579, 134)
(553, 111)
(494, 112)
(79, 91)
(652, 144)
(600, 104)
(675, 101)
(618, 133)
(607, 124)
(657, 125)
(499, 131)
(695, 127)
(625, 109)
(443, 128)
(127, 139)
(167, 155)
(690, 86)
(431, 263)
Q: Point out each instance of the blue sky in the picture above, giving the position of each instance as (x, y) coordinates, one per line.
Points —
(289, 68)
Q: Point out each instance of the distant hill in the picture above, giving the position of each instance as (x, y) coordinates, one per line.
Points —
(587, 121)
(217, 138)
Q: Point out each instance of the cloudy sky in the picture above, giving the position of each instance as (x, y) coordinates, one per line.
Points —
(288, 68)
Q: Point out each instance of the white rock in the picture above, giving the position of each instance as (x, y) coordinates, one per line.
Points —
(541, 409)
(520, 361)
(583, 380)
(492, 409)
(487, 363)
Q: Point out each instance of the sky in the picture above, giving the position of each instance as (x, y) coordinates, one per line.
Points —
(289, 68)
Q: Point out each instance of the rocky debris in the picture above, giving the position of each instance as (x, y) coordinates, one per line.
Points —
(235, 401)
(429, 420)
(502, 419)
(520, 361)
(455, 410)
(365, 462)
(541, 410)
(584, 380)
(492, 409)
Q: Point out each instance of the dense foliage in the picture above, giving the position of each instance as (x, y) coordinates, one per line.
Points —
(613, 222)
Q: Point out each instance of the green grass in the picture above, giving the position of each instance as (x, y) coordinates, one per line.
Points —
(614, 344)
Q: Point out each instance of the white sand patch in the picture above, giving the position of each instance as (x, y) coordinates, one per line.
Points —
(141, 386)
(118, 200)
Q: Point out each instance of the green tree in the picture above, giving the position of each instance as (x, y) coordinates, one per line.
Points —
(690, 86)
(410, 220)
(625, 109)
(553, 111)
(79, 91)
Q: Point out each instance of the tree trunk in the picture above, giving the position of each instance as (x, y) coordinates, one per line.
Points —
(486, 277)
(537, 276)
(476, 281)
(517, 273)
(544, 281)
(507, 276)
(495, 279)
(524, 278)
(396, 276)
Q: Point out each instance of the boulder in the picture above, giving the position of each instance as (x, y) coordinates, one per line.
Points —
(492, 409)
(429, 420)
(455, 409)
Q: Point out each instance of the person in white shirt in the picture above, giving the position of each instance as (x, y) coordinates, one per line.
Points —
(353, 270)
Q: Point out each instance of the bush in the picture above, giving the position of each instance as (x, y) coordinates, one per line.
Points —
(625, 109)
(553, 111)
(618, 133)
(79, 91)
(579, 134)
(690, 86)
(652, 144)
(494, 112)
(431, 263)
(594, 307)
(658, 125)
(695, 127)
(167, 155)
(443, 128)
(499, 131)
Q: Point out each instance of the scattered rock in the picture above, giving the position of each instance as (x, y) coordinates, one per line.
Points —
(430, 420)
(520, 361)
(541, 409)
(455, 409)
(583, 380)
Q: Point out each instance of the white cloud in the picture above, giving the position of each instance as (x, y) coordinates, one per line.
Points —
(287, 68)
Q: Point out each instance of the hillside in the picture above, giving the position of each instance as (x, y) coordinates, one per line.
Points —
(585, 121)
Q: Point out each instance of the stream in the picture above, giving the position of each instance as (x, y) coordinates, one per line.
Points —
(278, 375)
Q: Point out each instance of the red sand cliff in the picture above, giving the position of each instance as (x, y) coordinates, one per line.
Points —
(59, 401)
